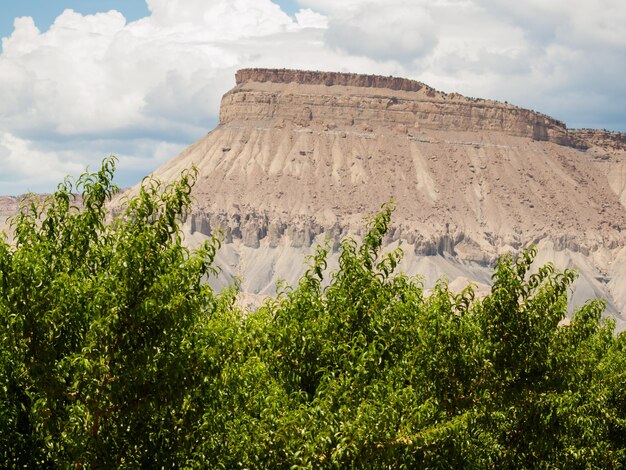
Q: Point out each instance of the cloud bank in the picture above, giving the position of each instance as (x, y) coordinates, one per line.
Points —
(92, 85)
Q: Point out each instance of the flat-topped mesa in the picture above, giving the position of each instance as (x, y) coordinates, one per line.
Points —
(370, 103)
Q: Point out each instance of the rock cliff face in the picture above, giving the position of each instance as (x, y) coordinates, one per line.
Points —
(369, 101)
(588, 138)
(307, 77)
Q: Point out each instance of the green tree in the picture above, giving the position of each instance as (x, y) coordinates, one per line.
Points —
(380, 375)
(100, 321)
(116, 353)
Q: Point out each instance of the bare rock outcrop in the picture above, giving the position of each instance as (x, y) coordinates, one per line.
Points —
(370, 101)
(587, 138)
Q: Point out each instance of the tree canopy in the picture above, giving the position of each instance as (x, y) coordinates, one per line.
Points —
(116, 353)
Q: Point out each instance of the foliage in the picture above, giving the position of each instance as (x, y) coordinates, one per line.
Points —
(99, 326)
(115, 352)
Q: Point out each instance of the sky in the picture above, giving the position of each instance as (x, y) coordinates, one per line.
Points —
(143, 79)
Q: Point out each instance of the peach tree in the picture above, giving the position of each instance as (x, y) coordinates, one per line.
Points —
(116, 353)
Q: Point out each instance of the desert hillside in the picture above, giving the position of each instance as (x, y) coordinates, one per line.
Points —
(301, 156)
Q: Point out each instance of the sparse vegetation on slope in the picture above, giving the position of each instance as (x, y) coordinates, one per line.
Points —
(115, 353)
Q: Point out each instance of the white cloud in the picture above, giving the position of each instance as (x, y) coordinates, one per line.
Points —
(145, 88)
(20, 175)
(393, 30)
(26, 166)
(228, 19)
(307, 18)
(332, 7)
(578, 23)
(97, 77)
(60, 82)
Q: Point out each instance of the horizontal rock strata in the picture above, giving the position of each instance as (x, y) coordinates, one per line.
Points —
(370, 101)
